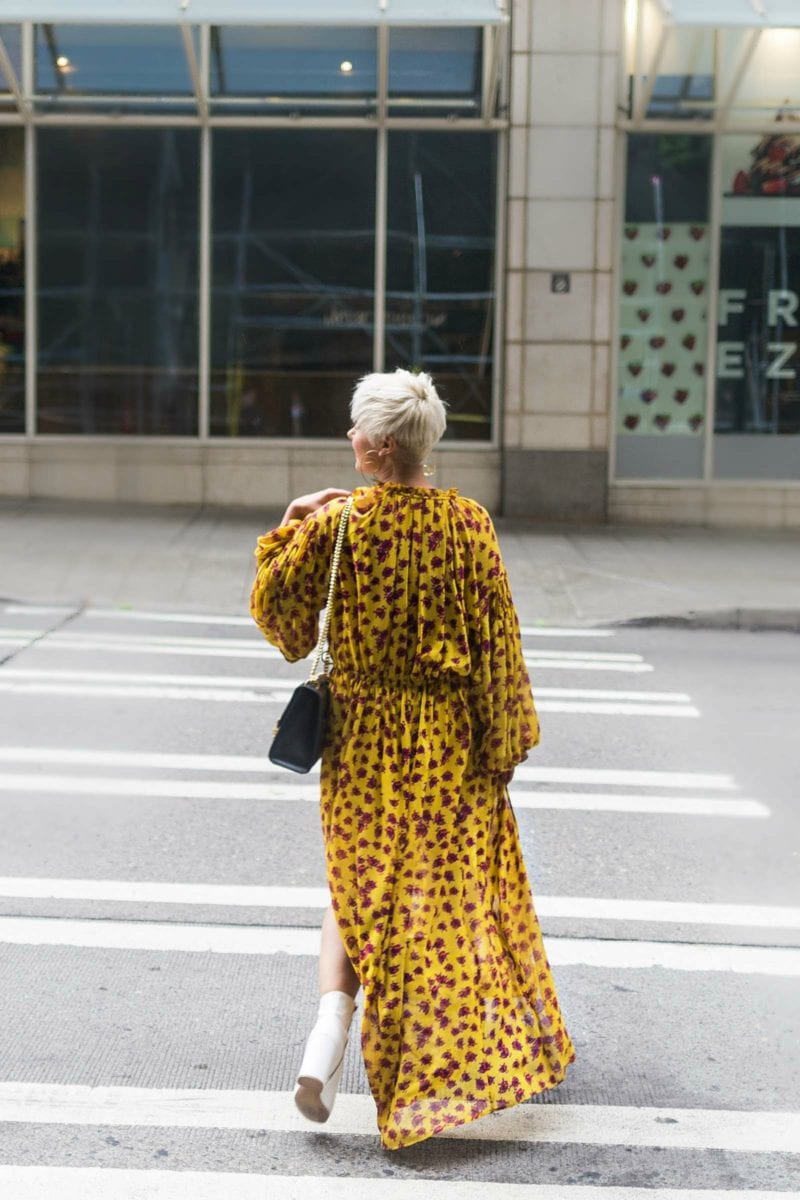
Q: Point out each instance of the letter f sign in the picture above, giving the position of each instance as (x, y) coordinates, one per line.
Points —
(731, 301)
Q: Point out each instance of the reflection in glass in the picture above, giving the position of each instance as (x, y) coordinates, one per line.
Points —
(118, 308)
(75, 60)
(12, 282)
(687, 62)
(294, 67)
(771, 82)
(663, 328)
(293, 279)
(440, 268)
(441, 66)
(11, 36)
(758, 347)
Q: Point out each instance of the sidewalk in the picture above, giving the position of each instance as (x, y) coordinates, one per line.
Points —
(193, 559)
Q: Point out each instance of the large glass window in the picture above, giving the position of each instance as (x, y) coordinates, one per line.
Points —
(77, 64)
(117, 285)
(293, 279)
(12, 281)
(440, 297)
(663, 328)
(435, 71)
(757, 423)
(11, 37)
(293, 69)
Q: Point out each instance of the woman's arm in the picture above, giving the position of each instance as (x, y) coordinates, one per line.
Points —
(292, 572)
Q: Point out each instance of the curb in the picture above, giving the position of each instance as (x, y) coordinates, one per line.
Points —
(783, 620)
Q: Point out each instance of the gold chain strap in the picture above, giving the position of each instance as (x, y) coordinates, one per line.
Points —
(337, 551)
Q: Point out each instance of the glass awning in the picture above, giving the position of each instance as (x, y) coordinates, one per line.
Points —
(724, 64)
(337, 59)
(760, 14)
(258, 12)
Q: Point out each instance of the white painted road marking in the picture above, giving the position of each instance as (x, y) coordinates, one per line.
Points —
(271, 690)
(737, 1130)
(292, 792)
(260, 765)
(196, 618)
(609, 954)
(98, 1183)
(251, 648)
(269, 682)
(683, 912)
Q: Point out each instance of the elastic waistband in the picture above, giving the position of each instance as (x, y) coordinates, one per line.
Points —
(401, 681)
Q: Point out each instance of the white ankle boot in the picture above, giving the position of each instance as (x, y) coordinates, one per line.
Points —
(323, 1059)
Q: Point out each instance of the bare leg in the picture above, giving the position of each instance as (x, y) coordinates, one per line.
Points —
(336, 972)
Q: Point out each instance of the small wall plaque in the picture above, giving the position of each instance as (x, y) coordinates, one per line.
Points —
(560, 282)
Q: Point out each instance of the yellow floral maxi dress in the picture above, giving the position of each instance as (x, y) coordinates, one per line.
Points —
(431, 709)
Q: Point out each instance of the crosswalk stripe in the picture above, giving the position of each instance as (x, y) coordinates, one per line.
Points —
(583, 908)
(565, 631)
(230, 696)
(257, 646)
(292, 792)
(743, 1131)
(605, 954)
(196, 618)
(97, 1183)
(260, 765)
(50, 684)
(267, 682)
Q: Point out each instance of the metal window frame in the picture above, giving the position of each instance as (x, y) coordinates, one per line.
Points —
(723, 118)
(31, 118)
(718, 127)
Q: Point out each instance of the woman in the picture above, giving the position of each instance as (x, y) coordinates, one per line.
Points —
(431, 710)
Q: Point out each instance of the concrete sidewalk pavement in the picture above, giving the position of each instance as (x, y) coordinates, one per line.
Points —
(201, 560)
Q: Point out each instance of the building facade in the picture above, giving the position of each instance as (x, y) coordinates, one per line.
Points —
(581, 216)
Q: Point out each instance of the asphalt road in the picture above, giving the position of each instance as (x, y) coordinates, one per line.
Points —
(161, 889)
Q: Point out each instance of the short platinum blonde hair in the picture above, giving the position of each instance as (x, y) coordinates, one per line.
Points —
(404, 405)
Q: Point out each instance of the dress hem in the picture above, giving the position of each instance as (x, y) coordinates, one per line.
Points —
(470, 1120)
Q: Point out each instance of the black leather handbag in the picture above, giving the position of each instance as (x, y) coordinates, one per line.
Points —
(300, 732)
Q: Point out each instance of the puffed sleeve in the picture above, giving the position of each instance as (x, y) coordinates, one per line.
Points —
(504, 716)
(290, 586)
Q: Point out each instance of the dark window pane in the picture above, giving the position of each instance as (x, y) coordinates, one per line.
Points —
(440, 268)
(758, 314)
(126, 59)
(669, 174)
(12, 282)
(304, 68)
(439, 66)
(118, 310)
(293, 286)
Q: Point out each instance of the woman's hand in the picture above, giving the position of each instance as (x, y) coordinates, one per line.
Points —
(301, 506)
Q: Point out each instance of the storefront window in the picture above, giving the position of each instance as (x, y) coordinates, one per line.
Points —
(11, 38)
(293, 279)
(294, 68)
(76, 65)
(118, 280)
(12, 281)
(433, 72)
(757, 424)
(663, 328)
(440, 268)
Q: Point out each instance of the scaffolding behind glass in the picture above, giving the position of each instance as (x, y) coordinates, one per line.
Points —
(209, 225)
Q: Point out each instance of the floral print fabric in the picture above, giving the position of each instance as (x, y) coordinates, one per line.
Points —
(431, 710)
